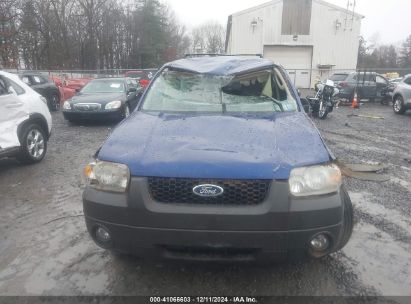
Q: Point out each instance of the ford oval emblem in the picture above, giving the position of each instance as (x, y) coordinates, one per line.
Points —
(208, 190)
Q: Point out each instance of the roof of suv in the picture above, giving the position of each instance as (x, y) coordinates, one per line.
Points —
(220, 65)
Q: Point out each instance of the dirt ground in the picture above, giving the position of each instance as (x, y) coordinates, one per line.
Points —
(45, 248)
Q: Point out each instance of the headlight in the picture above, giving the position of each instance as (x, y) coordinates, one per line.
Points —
(113, 105)
(66, 105)
(107, 176)
(43, 99)
(316, 180)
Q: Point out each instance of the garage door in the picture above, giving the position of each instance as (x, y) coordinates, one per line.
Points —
(295, 59)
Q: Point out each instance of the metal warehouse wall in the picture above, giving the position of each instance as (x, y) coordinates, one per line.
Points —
(331, 46)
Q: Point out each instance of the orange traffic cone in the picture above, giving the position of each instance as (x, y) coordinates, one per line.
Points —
(355, 104)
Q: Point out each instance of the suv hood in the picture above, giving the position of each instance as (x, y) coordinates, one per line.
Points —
(215, 146)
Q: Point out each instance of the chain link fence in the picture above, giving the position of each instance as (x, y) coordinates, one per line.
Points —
(301, 78)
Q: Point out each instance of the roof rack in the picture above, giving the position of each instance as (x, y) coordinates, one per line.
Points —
(217, 55)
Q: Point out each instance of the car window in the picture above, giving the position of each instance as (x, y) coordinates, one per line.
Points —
(18, 89)
(132, 83)
(408, 80)
(3, 87)
(338, 77)
(177, 91)
(26, 79)
(104, 86)
(361, 77)
(381, 80)
(38, 79)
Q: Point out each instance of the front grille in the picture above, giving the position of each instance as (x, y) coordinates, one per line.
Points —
(87, 107)
(236, 192)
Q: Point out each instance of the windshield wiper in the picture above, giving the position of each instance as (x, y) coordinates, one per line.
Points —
(276, 102)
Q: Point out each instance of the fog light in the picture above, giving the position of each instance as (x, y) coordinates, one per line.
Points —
(102, 235)
(320, 242)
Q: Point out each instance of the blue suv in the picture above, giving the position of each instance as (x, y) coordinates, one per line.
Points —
(218, 162)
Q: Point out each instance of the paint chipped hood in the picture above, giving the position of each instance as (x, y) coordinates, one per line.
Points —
(215, 146)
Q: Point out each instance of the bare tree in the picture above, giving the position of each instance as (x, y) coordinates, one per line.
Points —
(405, 58)
(89, 34)
(9, 23)
(208, 37)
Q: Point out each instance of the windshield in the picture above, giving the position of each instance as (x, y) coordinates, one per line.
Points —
(104, 86)
(262, 91)
(338, 77)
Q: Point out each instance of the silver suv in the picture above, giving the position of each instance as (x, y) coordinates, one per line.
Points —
(402, 96)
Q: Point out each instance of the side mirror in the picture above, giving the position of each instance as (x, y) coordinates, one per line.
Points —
(78, 90)
(299, 92)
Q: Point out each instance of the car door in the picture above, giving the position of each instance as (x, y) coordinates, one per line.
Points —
(370, 86)
(381, 86)
(363, 84)
(12, 112)
(407, 90)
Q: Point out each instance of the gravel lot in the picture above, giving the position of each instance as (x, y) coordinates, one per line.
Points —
(45, 248)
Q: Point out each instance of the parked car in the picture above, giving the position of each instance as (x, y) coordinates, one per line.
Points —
(142, 76)
(392, 86)
(44, 86)
(106, 99)
(396, 80)
(218, 162)
(369, 85)
(69, 86)
(25, 121)
(402, 96)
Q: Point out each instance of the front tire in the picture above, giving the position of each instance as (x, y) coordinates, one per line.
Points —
(33, 144)
(323, 112)
(398, 106)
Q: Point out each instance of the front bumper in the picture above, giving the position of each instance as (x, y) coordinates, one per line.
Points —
(280, 227)
(8, 152)
(93, 115)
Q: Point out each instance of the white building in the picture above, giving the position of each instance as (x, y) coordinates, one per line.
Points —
(309, 38)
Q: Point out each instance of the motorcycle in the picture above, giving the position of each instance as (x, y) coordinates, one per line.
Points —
(323, 102)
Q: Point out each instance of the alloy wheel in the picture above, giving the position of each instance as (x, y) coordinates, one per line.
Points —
(35, 144)
(398, 105)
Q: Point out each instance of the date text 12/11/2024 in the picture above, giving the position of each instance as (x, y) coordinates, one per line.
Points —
(203, 300)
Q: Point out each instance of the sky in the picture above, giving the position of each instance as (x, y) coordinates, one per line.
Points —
(390, 18)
